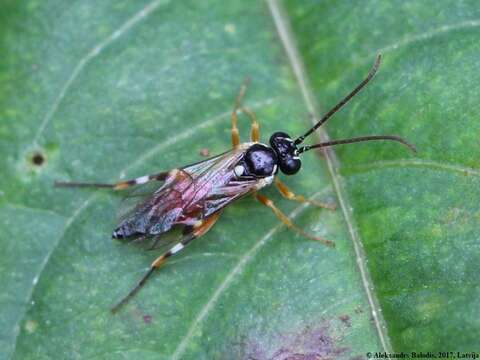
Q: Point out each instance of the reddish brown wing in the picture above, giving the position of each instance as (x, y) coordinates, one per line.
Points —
(188, 195)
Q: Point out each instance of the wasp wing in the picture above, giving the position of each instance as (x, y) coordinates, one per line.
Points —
(146, 195)
(188, 195)
(134, 196)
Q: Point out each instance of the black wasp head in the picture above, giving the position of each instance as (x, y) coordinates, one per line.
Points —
(287, 153)
(261, 161)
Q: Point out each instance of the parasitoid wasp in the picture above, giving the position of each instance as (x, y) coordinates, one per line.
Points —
(194, 196)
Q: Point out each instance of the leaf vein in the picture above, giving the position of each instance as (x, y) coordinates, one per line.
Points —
(67, 225)
(186, 134)
(236, 271)
(93, 53)
(181, 136)
(289, 43)
(464, 170)
(32, 209)
(409, 39)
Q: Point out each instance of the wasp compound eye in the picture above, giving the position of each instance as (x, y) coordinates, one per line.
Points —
(290, 165)
(261, 161)
(286, 151)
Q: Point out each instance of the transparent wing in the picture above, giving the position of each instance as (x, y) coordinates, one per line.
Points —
(161, 241)
(188, 194)
(222, 196)
(135, 196)
(144, 193)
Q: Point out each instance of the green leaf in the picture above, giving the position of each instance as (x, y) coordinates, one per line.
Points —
(417, 217)
(118, 89)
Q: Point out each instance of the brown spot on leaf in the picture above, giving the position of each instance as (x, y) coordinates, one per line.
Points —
(346, 320)
(37, 158)
(318, 342)
(204, 152)
(147, 319)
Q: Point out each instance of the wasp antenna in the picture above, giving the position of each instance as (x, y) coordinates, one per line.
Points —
(411, 147)
(345, 100)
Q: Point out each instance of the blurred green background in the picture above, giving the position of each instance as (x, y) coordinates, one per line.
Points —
(98, 91)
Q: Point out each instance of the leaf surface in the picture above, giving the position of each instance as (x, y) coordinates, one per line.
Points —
(102, 91)
(417, 217)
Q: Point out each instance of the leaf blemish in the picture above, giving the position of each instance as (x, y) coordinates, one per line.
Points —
(38, 158)
(230, 28)
(147, 319)
(312, 342)
(358, 310)
(346, 320)
(31, 326)
(204, 152)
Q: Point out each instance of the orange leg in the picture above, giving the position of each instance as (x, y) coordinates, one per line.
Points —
(284, 219)
(191, 233)
(255, 130)
(197, 231)
(288, 194)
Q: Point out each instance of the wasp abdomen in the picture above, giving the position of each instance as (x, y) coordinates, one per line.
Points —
(124, 232)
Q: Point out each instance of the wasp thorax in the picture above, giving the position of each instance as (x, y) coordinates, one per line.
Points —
(260, 160)
(286, 150)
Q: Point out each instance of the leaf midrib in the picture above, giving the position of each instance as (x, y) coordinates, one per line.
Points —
(289, 43)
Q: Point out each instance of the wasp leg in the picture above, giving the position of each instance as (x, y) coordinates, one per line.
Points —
(117, 186)
(255, 129)
(190, 233)
(288, 194)
(155, 243)
(236, 107)
(284, 219)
